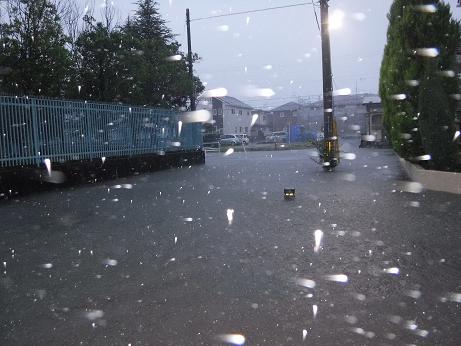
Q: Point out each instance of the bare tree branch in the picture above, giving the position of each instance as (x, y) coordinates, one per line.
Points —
(71, 14)
(108, 14)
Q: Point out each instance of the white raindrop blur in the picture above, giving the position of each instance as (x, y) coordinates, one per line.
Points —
(413, 187)
(399, 97)
(337, 278)
(428, 8)
(218, 92)
(110, 262)
(233, 339)
(94, 314)
(174, 58)
(315, 310)
(342, 92)
(305, 282)
(230, 216)
(47, 163)
(318, 236)
(229, 152)
(393, 270)
(254, 119)
(428, 52)
(201, 116)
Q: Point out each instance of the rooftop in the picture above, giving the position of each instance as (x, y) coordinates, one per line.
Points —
(233, 102)
(371, 99)
(345, 100)
(290, 106)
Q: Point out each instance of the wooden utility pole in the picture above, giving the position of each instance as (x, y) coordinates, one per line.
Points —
(330, 148)
(190, 62)
(327, 74)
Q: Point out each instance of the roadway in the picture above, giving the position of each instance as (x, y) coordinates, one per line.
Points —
(188, 256)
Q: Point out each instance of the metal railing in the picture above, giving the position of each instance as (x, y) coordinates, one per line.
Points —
(212, 147)
(33, 129)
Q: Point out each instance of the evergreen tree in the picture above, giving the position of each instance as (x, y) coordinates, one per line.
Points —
(436, 123)
(98, 54)
(411, 29)
(131, 64)
(154, 78)
(33, 47)
(148, 23)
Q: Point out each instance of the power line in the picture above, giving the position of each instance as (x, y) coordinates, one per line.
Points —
(252, 11)
(315, 12)
(297, 97)
(281, 98)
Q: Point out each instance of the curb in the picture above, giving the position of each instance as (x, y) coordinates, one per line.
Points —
(254, 149)
(433, 180)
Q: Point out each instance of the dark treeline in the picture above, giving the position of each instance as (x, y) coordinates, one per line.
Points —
(53, 48)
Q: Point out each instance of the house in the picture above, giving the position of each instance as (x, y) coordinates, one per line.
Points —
(286, 115)
(230, 115)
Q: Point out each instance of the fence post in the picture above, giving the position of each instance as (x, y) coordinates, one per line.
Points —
(35, 132)
(90, 128)
(130, 130)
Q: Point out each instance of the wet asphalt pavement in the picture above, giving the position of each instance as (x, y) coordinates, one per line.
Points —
(161, 259)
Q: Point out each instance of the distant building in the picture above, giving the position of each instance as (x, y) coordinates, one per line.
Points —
(349, 111)
(374, 131)
(286, 115)
(263, 125)
(230, 115)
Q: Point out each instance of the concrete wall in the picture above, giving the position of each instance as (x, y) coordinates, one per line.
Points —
(433, 180)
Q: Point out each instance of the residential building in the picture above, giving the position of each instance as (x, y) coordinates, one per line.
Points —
(230, 115)
(286, 115)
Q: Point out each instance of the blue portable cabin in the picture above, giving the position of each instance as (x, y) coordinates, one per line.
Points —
(33, 130)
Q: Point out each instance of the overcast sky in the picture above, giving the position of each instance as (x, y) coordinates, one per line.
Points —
(279, 49)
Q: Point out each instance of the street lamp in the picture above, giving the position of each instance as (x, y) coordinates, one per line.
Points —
(357, 88)
(336, 19)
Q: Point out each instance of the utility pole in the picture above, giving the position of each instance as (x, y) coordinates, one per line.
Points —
(190, 61)
(327, 74)
(330, 146)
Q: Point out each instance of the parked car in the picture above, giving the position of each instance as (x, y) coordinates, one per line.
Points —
(230, 140)
(278, 137)
(244, 138)
(211, 140)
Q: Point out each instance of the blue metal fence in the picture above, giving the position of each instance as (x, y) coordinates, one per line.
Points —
(33, 130)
